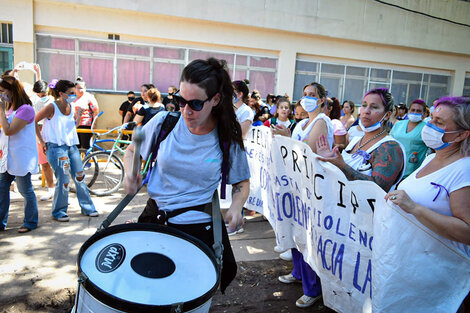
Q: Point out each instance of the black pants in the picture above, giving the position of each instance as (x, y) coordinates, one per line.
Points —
(205, 234)
(84, 138)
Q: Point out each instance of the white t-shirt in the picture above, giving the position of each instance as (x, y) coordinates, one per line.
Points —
(188, 168)
(302, 134)
(355, 131)
(244, 113)
(425, 192)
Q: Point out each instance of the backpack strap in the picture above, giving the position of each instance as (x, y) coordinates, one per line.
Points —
(224, 170)
(168, 124)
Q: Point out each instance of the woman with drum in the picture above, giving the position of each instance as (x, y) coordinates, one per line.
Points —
(188, 167)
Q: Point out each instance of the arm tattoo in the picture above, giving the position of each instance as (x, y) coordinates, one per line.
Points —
(352, 174)
(387, 164)
(236, 189)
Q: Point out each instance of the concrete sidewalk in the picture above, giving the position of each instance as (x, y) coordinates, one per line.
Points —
(42, 263)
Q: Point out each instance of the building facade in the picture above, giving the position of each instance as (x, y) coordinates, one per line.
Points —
(418, 49)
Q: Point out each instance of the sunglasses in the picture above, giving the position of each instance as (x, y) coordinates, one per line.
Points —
(195, 105)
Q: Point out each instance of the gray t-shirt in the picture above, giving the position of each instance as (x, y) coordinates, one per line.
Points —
(188, 168)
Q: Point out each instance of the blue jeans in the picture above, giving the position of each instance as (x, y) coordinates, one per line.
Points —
(65, 160)
(25, 187)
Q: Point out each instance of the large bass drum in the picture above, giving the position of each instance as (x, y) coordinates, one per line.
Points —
(145, 268)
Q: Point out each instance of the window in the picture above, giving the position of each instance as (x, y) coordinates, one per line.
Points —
(466, 87)
(6, 47)
(6, 33)
(118, 66)
(352, 82)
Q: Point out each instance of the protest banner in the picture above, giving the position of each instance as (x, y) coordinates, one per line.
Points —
(330, 220)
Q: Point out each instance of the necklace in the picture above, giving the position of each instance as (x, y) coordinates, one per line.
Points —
(375, 137)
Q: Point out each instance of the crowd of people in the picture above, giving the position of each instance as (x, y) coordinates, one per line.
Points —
(408, 151)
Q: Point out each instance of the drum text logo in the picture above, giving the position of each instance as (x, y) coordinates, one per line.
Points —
(110, 258)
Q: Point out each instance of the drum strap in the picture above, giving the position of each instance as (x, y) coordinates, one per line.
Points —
(217, 229)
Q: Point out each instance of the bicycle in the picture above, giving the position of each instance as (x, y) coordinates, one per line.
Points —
(104, 171)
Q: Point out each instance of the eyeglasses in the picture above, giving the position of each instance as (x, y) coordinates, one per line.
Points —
(195, 105)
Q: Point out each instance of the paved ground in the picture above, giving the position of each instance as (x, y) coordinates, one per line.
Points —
(40, 266)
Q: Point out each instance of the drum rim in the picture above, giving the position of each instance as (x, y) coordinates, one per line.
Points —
(128, 306)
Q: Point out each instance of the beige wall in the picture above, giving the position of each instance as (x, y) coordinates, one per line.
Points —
(360, 32)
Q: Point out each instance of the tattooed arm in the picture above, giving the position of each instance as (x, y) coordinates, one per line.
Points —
(240, 193)
(387, 164)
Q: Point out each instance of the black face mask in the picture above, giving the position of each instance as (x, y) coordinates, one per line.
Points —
(298, 120)
(130, 98)
(171, 93)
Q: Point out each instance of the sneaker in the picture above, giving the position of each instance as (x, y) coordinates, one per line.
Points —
(64, 218)
(288, 279)
(306, 301)
(94, 214)
(48, 195)
(286, 255)
(231, 231)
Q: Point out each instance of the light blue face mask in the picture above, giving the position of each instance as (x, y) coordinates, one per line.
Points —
(309, 104)
(71, 98)
(432, 136)
(415, 117)
(5, 97)
(371, 128)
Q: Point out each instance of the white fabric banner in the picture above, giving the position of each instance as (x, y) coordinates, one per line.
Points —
(313, 207)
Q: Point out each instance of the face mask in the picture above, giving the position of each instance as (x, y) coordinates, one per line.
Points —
(432, 136)
(309, 103)
(432, 109)
(71, 98)
(372, 127)
(130, 98)
(44, 99)
(415, 117)
(235, 99)
(171, 93)
(5, 97)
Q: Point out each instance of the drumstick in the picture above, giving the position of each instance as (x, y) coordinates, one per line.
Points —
(138, 137)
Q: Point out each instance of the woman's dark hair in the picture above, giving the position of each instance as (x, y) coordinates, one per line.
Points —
(255, 95)
(61, 86)
(321, 91)
(335, 113)
(41, 86)
(7, 73)
(148, 86)
(387, 98)
(80, 81)
(18, 95)
(242, 86)
(351, 105)
(212, 76)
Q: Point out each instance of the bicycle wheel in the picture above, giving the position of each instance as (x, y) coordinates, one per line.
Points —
(104, 173)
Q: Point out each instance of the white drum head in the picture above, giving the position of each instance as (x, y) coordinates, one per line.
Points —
(148, 266)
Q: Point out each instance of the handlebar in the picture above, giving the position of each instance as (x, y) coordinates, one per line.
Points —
(118, 128)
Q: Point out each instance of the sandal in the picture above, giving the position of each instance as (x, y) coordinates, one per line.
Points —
(24, 229)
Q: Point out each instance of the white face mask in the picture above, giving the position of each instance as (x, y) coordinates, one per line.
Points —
(432, 136)
(309, 104)
(415, 117)
(372, 127)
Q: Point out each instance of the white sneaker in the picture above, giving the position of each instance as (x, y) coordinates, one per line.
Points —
(306, 301)
(94, 214)
(288, 279)
(232, 232)
(48, 195)
(65, 218)
(286, 255)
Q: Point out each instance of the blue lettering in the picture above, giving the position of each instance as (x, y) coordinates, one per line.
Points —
(328, 224)
(284, 204)
(351, 231)
(337, 228)
(363, 238)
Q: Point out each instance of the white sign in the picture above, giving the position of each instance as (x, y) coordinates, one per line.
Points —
(313, 207)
